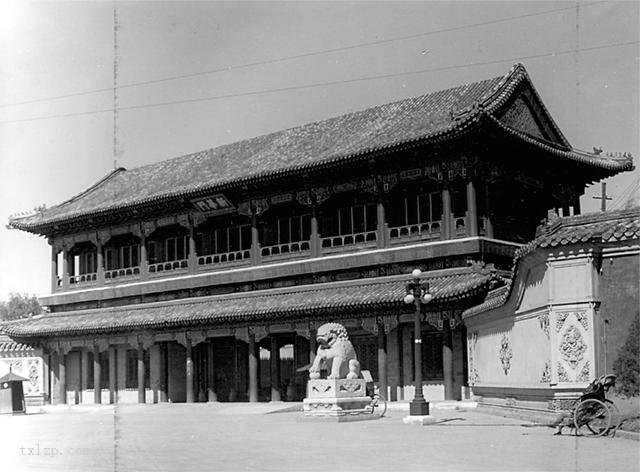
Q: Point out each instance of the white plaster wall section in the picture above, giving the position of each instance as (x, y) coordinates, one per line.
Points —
(530, 346)
(536, 287)
(572, 278)
(488, 355)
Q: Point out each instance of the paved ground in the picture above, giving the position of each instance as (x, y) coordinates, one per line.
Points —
(179, 437)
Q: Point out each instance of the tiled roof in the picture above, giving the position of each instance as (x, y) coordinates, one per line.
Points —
(604, 227)
(428, 118)
(8, 345)
(327, 300)
(11, 377)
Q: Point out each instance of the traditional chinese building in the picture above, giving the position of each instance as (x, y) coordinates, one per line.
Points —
(203, 277)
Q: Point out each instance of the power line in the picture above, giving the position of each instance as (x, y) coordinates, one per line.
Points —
(325, 84)
(625, 195)
(296, 56)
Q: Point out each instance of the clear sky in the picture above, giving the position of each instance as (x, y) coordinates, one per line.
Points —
(58, 48)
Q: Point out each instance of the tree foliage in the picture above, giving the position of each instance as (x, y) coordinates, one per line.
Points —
(626, 366)
(19, 306)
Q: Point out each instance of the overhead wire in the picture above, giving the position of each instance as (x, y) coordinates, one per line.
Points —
(324, 84)
(296, 56)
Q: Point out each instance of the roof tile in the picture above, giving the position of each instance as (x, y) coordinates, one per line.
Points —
(318, 300)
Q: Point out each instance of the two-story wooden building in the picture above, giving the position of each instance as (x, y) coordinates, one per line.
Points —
(171, 281)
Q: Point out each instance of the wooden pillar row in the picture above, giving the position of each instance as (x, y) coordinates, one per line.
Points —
(447, 215)
(54, 268)
(141, 371)
(255, 239)
(253, 368)
(315, 236)
(189, 371)
(113, 384)
(275, 369)
(62, 377)
(382, 362)
(472, 210)
(447, 360)
(97, 376)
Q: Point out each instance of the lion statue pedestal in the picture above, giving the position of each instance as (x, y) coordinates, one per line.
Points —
(342, 396)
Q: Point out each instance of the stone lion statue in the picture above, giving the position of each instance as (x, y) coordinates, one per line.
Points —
(335, 353)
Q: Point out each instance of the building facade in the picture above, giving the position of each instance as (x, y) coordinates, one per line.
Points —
(203, 277)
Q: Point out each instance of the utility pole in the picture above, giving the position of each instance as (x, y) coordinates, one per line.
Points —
(603, 197)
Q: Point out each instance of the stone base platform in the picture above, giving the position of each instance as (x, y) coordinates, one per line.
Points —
(419, 420)
(337, 400)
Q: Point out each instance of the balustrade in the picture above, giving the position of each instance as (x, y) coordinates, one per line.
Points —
(460, 229)
(82, 278)
(124, 273)
(168, 266)
(286, 250)
(224, 258)
(418, 231)
(333, 243)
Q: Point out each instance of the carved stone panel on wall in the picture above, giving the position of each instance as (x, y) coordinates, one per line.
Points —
(572, 346)
(505, 354)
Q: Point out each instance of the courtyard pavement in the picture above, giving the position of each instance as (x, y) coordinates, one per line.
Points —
(229, 437)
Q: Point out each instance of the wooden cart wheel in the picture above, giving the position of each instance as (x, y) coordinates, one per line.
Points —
(592, 418)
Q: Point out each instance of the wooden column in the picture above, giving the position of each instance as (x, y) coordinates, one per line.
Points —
(141, 369)
(97, 376)
(84, 370)
(472, 210)
(407, 360)
(487, 210)
(313, 348)
(100, 263)
(65, 268)
(382, 362)
(211, 373)
(164, 372)
(193, 259)
(253, 369)
(46, 374)
(54, 268)
(447, 216)
(113, 392)
(189, 369)
(144, 264)
(381, 237)
(255, 239)
(62, 377)
(275, 369)
(315, 236)
(447, 360)
(576, 205)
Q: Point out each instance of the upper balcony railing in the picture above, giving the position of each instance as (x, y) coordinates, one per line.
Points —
(286, 251)
(169, 266)
(226, 258)
(337, 243)
(317, 245)
(415, 232)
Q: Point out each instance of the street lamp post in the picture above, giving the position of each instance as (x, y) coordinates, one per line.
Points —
(418, 294)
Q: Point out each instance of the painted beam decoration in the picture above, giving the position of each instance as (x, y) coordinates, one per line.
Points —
(214, 204)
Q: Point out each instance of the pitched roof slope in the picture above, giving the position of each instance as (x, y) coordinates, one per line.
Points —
(427, 117)
(317, 300)
(602, 228)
